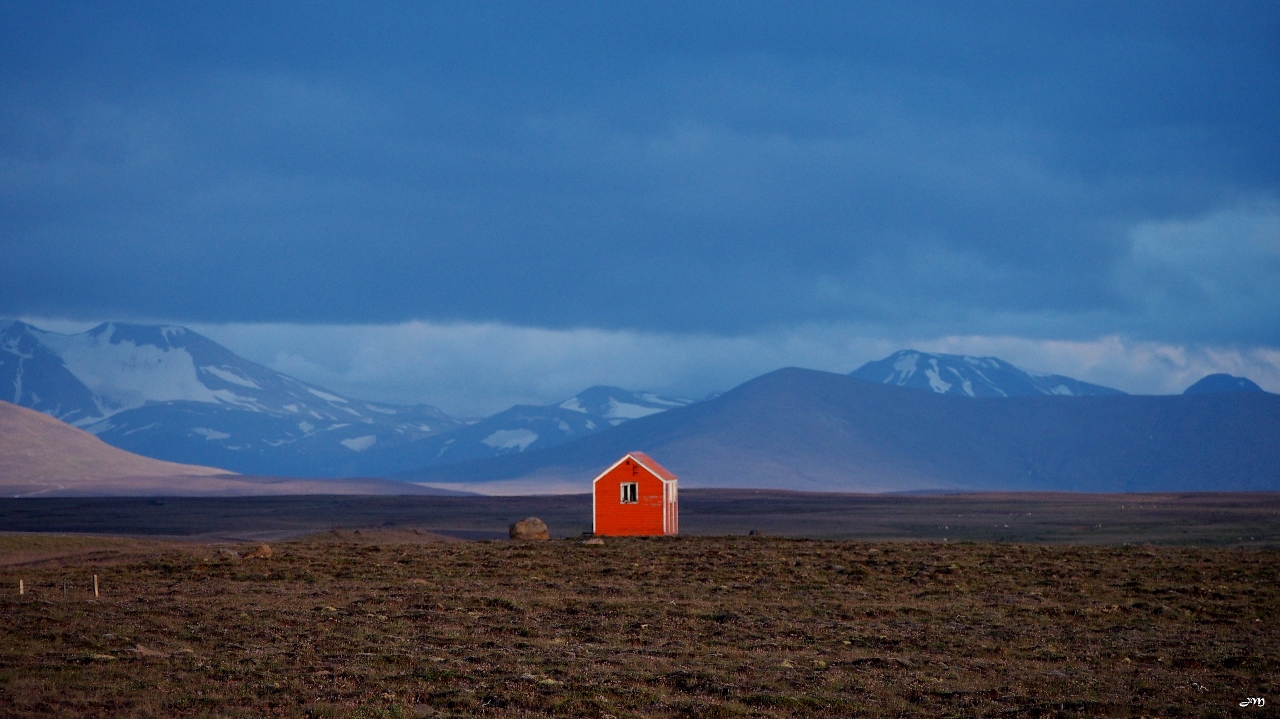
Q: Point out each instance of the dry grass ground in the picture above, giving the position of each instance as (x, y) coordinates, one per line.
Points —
(408, 624)
(26, 549)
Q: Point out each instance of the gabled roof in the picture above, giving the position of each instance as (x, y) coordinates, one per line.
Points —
(648, 463)
(645, 461)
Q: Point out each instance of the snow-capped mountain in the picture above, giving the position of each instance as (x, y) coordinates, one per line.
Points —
(170, 393)
(970, 376)
(614, 405)
(167, 392)
(815, 431)
(523, 428)
(33, 375)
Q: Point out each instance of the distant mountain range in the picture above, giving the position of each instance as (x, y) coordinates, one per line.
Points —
(520, 429)
(806, 430)
(912, 421)
(170, 393)
(167, 392)
(971, 376)
(43, 457)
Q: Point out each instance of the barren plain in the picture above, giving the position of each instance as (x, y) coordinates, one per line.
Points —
(1188, 518)
(405, 623)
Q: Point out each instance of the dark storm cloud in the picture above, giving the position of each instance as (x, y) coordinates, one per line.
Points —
(952, 168)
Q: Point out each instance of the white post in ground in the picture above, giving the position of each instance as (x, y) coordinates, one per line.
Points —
(22, 588)
(95, 586)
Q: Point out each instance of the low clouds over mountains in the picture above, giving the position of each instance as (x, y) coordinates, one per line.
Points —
(911, 421)
(167, 392)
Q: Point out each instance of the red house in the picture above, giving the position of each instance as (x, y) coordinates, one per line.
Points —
(635, 496)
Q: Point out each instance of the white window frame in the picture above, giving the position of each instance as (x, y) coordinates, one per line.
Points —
(633, 497)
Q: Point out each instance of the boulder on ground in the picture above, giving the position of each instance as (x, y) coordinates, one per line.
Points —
(262, 552)
(531, 528)
(149, 652)
(229, 555)
(594, 541)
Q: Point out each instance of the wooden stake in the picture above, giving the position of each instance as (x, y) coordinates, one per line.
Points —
(22, 588)
(95, 586)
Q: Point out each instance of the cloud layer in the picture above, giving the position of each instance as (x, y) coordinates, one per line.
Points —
(475, 370)
(655, 170)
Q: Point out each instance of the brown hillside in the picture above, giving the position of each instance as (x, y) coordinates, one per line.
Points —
(38, 451)
(40, 456)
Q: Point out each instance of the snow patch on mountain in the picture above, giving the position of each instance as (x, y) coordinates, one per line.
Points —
(572, 404)
(904, 366)
(228, 375)
(126, 375)
(360, 444)
(936, 383)
(511, 439)
(623, 411)
(325, 395)
(229, 397)
(207, 433)
(659, 400)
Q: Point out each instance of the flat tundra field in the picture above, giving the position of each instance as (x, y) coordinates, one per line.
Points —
(405, 623)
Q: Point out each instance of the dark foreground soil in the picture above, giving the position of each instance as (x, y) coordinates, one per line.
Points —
(400, 624)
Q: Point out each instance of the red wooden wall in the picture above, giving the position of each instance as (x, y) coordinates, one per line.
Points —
(645, 517)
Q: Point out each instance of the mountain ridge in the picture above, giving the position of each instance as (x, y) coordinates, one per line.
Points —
(971, 376)
(1222, 382)
(816, 431)
(41, 456)
(523, 428)
(167, 392)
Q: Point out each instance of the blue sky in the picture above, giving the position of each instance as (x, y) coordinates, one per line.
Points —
(979, 176)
